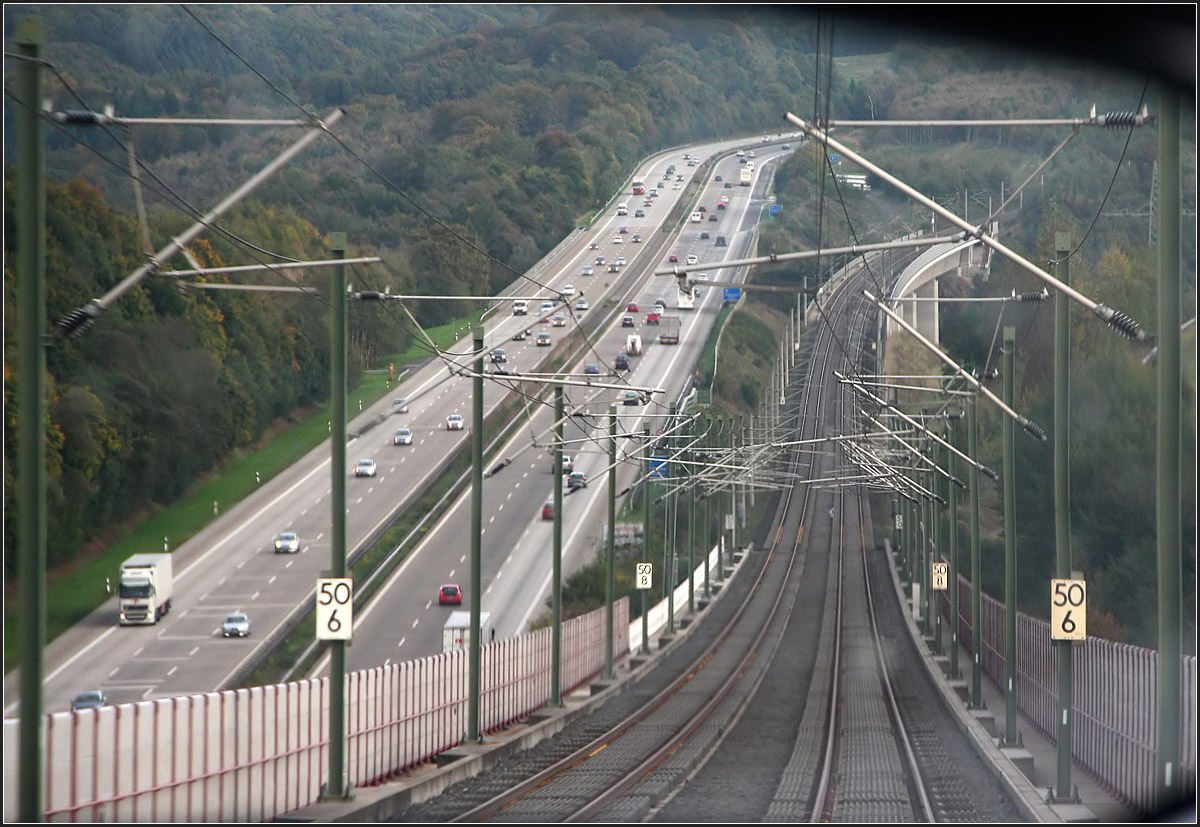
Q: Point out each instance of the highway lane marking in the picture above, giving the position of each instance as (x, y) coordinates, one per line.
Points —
(415, 622)
(195, 649)
(164, 658)
(172, 671)
(174, 638)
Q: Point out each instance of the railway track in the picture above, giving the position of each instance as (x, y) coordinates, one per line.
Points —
(778, 704)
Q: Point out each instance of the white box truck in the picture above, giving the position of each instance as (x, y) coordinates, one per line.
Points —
(145, 588)
(633, 345)
(456, 634)
(520, 307)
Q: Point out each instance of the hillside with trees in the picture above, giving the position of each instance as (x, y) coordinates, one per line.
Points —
(475, 138)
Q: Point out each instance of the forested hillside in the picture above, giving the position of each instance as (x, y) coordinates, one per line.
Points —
(475, 138)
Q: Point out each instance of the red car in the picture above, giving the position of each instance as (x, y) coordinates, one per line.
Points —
(652, 318)
(632, 308)
(672, 259)
(450, 595)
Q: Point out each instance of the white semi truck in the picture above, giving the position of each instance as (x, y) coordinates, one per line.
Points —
(145, 588)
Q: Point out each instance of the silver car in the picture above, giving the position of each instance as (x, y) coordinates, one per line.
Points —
(236, 625)
(288, 542)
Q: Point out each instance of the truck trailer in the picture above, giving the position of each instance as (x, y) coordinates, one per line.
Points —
(456, 634)
(633, 345)
(668, 333)
(145, 589)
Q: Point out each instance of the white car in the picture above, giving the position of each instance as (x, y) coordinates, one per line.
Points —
(365, 468)
(287, 542)
(400, 405)
(567, 464)
(236, 625)
(568, 290)
(692, 260)
(581, 304)
(618, 240)
(454, 422)
(588, 270)
(403, 437)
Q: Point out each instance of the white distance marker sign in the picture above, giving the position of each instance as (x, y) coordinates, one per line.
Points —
(1068, 610)
(335, 608)
(941, 573)
(645, 575)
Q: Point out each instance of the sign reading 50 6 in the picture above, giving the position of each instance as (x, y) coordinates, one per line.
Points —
(335, 608)
(1068, 610)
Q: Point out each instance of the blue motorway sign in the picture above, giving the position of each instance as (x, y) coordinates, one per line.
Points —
(774, 210)
(659, 469)
(732, 294)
